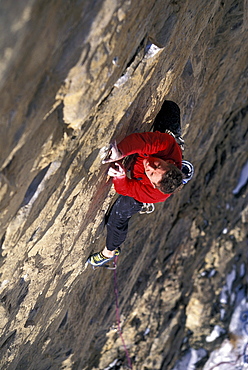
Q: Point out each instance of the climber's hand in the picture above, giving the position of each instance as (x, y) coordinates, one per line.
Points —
(117, 171)
(113, 154)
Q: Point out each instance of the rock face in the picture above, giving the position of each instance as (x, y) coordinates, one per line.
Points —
(76, 75)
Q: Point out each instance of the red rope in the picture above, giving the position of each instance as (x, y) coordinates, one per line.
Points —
(232, 362)
(226, 362)
(223, 363)
(118, 318)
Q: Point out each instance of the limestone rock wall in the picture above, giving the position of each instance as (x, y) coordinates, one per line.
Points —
(76, 75)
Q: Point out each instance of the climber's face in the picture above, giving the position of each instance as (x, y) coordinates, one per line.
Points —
(155, 168)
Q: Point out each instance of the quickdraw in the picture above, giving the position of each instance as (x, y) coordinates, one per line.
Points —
(108, 267)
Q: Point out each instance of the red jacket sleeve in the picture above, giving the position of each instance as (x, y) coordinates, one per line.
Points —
(144, 193)
(146, 142)
(125, 186)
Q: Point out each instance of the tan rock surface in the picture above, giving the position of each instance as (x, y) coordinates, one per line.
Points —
(76, 75)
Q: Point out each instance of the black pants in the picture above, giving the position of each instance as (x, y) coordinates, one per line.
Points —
(168, 118)
(125, 207)
(117, 225)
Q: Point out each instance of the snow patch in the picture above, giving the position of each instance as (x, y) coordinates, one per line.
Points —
(122, 80)
(4, 283)
(242, 179)
(230, 279)
(233, 355)
(190, 359)
(115, 61)
(151, 51)
(208, 273)
(212, 273)
(217, 331)
(222, 314)
(227, 288)
(112, 365)
(242, 270)
(147, 331)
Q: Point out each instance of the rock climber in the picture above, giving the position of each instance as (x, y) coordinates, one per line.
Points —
(154, 174)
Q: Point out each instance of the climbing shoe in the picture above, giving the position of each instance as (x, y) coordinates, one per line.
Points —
(98, 259)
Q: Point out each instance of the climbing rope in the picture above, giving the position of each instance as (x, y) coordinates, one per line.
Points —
(235, 362)
(225, 363)
(118, 318)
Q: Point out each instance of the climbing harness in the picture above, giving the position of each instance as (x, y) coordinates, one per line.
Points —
(178, 139)
(147, 208)
(118, 317)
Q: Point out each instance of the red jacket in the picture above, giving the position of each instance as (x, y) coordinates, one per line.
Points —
(146, 144)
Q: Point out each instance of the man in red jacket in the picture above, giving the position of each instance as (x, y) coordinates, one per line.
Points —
(155, 173)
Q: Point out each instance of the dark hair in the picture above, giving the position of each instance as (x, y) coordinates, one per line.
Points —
(171, 179)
